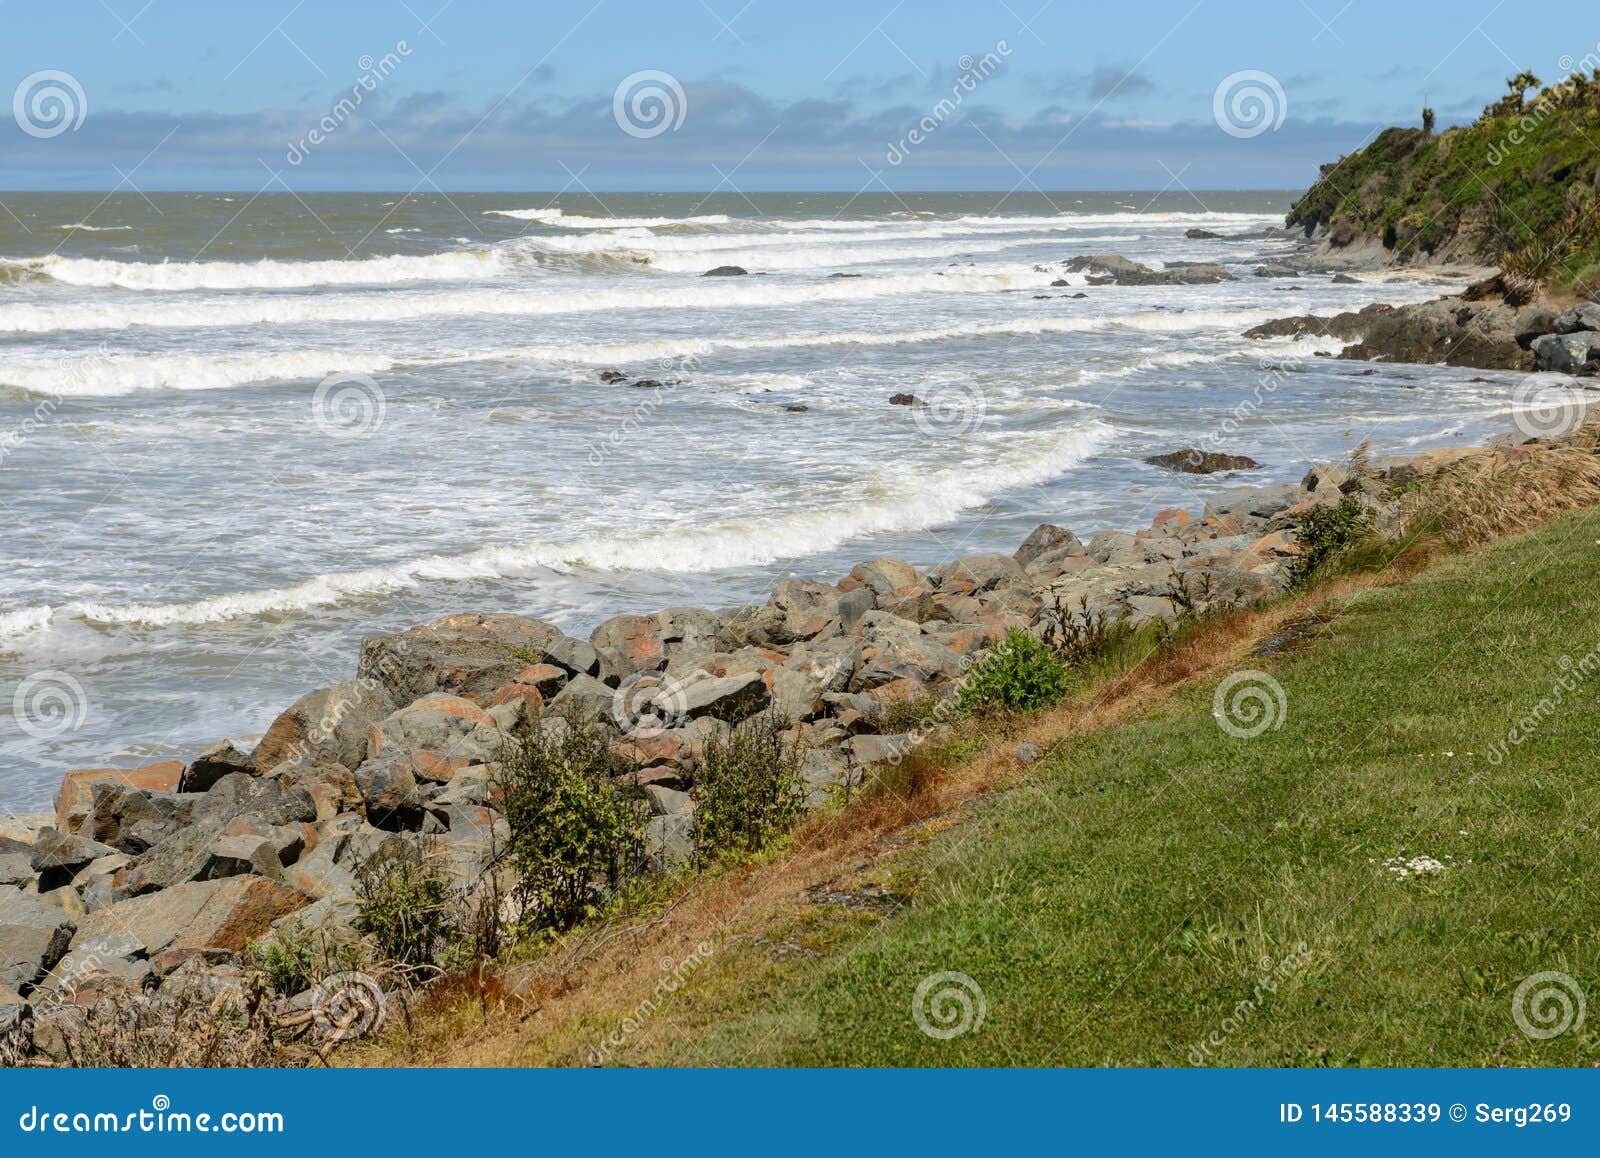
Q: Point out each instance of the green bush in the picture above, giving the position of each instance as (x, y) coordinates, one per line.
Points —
(748, 791)
(407, 905)
(574, 833)
(1020, 672)
(1328, 533)
(286, 959)
(1084, 637)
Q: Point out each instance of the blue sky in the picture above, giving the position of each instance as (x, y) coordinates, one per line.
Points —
(485, 94)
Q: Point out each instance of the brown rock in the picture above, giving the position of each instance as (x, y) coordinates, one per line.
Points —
(75, 798)
(1191, 460)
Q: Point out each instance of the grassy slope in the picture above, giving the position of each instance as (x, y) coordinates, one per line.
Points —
(1418, 192)
(1118, 906)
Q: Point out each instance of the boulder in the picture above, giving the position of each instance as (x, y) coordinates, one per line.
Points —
(727, 698)
(212, 765)
(132, 819)
(33, 937)
(1193, 461)
(974, 573)
(726, 271)
(1044, 539)
(883, 576)
(629, 644)
(222, 914)
(587, 698)
(469, 655)
(1273, 270)
(389, 791)
(58, 856)
(1585, 316)
(669, 840)
(1253, 502)
(16, 1027)
(441, 724)
(1566, 353)
(904, 399)
(273, 800)
(75, 797)
(666, 801)
(16, 862)
(1201, 235)
(1113, 269)
(327, 726)
(232, 856)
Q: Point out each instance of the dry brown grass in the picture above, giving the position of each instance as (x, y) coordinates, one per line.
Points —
(1487, 497)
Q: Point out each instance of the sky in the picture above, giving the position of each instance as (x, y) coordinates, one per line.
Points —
(460, 95)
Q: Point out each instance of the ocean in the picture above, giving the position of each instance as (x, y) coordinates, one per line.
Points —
(238, 433)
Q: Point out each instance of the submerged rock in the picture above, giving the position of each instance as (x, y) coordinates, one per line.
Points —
(1191, 460)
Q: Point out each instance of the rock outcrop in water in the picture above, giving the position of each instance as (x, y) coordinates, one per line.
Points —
(1113, 269)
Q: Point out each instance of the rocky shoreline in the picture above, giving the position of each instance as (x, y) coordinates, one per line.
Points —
(162, 876)
(151, 879)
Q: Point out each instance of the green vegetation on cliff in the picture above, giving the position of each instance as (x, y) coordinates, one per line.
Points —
(1515, 188)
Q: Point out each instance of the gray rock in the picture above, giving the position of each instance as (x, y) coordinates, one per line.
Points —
(1585, 316)
(974, 573)
(469, 654)
(1045, 539)
(444, 725)
(1254, 502)
(232, 856)
(587, 698)
(884, 576)
(726, 271)
(666, 801)
(1566, 353)
(212, 765)
(236, 794)
(57, 856)
(33, 938)
(324, 727)
(727, 698)
(16, 862)
(669, 840)
(389, 791)
(16, 1027)
(1027, 753)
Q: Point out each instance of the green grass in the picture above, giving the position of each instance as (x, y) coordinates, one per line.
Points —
(1119, 907)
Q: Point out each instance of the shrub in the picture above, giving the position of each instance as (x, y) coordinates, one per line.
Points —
(1327, 533)
(748, 791)
(1020, 672)
(407, 905)
(573, 832)
(1083, 638)
(285, 959)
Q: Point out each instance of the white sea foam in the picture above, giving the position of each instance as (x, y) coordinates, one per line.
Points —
(116, 374)
(583, 221)
(463, 265)
(893, 499)
(85, 227)
(297, 310)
